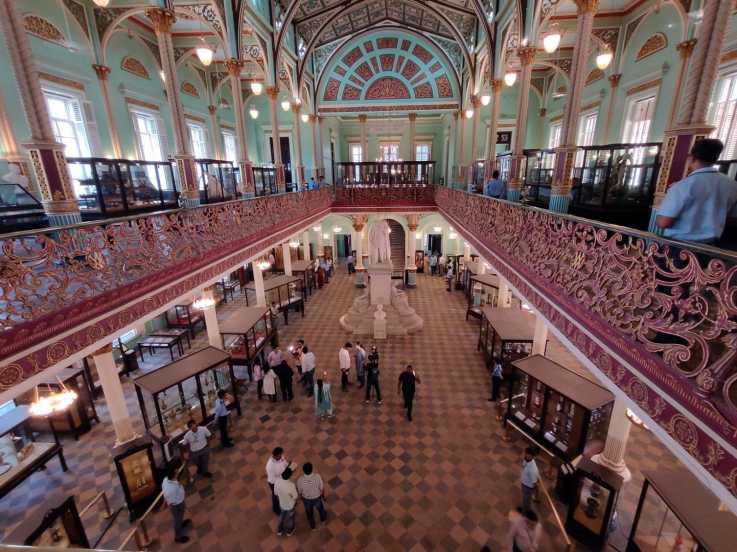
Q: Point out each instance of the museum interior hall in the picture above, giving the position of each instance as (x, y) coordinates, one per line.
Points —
(368, 275)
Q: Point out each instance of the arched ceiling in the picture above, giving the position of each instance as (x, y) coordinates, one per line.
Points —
(388, 66)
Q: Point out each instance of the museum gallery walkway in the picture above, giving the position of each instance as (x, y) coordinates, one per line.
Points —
(444, 482)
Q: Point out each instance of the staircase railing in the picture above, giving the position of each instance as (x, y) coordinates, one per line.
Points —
(385, 173)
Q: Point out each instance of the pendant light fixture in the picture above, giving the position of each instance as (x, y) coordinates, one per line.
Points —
(510, 78)
(204, 52)
(101, 3)
(285, 105)
(256, 87)
(305, 117)
(485, 100)
(469, 113)
(253, 112)
(551, 40)
(604, 58)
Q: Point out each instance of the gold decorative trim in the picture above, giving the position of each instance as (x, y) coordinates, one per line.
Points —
(652, 45)
(190, 89)
(141, 103)
(589, 107)
(43, 29)
(40, 173)
(729, 56)
(135, 66)
(644, 86)
(60, 81)
(194, 118)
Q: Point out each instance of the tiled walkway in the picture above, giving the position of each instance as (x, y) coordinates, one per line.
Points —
(443, 482)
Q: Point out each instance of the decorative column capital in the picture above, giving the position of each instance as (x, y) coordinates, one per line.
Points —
(475, 101)
(312, 119)
(362, 118)
(162, 19)
(412, 117)
(496, 85)
(543, 112)
(102, 71)
(296, 107)
(614, 79)
(212, 109)
(234, 66)
(685, 48)
(526, 55)
(412, 222)
(455, 115)
(587, 6)
(272, 92)
(359, 221)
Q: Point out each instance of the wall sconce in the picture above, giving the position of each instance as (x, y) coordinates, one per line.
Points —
(253, 112)
(305, 117)
(257, 87)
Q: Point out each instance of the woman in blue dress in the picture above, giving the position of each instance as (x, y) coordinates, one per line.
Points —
(323, 398)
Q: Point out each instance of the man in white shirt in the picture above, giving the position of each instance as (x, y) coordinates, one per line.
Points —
(222, 416)
(287, 494)
(449, 276)
(173, 492)
(349, 261)
(274, 468)
(310, 487)
(524, 533)
(197, 439)
(529, 478)
(308, 369)
(344, 359)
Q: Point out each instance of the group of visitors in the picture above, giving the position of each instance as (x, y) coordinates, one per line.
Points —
(285, 493)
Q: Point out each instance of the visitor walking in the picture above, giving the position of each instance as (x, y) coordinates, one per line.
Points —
(269, 384)
(286, 493)
(312, 490)
(198, 441)
(272, 262)
(308, 369)
(433, 264)
(529, 479)
(285, 374)
(349, 261)
(174, 495)
(496, 379)
(449, 276)
(344, 359)
(406, 385)
(372, 375)
(323, 398)
(275, 466)
(276, 357)
(442, 262)
(258, 376)
(360, 358)
(223, 415)
(524, 533)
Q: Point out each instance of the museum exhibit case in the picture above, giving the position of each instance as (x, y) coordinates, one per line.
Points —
(184, 390)
(284, 293)
(185, 316)
(305, 269)
(245, 334)
(482, 290)
(677, 513)
(594, 503)
(20, 454)
(139, 477)
(563, 412)
(506, 334)
(78, 418)
(55, 523)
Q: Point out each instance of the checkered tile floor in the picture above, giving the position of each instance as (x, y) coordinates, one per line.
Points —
(443, 482)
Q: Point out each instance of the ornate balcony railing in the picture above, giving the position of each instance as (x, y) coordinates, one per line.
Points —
(385, 173)
(657, 317)
(60, 280)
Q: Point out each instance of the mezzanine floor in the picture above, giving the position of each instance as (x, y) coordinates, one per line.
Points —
(444, 482)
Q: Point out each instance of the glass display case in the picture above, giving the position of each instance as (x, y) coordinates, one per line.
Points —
(506, 334)
(184, 390)
(185, 316)
(283, 293)
(138, 475)
(55, 523)
(677, 513)
(482, 290)
(563, 412)
(305, 270)
(246, 333)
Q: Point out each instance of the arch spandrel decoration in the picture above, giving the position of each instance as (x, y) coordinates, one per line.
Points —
(135, 66)
(387, 66)
(653, 44)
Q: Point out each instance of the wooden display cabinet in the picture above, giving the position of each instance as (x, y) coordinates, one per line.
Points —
(305, 270)
(506, 334)
(53, 524)
(245, 335)
(676, 512)
(561, 411)
(138, 475)
(482, 290)
(284, 293)
(184, 390)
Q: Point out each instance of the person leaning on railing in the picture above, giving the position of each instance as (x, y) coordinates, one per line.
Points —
(696, 208)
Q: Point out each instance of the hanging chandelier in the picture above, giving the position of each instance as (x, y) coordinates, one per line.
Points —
(54, 402)
(604, 59)
(551, 41)
(203, 303)
(263, 265)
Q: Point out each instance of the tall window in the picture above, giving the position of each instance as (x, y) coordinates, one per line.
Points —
(198, 137)
(149, 138)
(389, 151)
(355, 153)
(724, 115)
(231, 153)
(67, 122)
(639, 117)
(586, 129)
(554, 137)
(422, 152)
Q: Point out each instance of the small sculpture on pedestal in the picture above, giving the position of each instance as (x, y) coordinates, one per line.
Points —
(379, 323)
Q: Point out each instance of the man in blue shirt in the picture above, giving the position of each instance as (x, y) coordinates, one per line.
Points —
(495, 187)
(222, 414)
(696, 208)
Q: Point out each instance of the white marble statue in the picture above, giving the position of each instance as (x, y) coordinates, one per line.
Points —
(380, 250)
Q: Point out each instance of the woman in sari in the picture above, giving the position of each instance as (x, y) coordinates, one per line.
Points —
(323, 398)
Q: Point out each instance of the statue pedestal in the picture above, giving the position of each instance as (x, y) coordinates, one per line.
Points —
(360, 277)
(380, 283)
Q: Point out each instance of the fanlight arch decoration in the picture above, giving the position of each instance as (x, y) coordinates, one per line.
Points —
(387, 66)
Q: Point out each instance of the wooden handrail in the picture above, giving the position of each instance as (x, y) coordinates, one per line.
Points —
(558, 521)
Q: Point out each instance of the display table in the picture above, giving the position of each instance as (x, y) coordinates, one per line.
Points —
(185, 316)
(675, 507)
(563, 412)
(21, 453)
(227, 287)
(459, 266)
(246, 333)
(184, 390)
(305, 269)
(506, 334)
(160, 342)
(78, 418)
(284, 293)
(482, 290)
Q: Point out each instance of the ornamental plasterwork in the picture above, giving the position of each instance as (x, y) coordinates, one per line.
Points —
(154, 48)
(77, 11)
(190, 89)
(104, 17)
(562, 63)
(43, 28)
(653, 44)
(595, 75)
(215, 78)
(631, 27)
(452, 49)
(179, 52)
(132, 65)
(203, 11)
(608, 36)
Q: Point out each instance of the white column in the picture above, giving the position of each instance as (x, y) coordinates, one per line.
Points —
(616, 441)
(409, 249)
(467, 252)
(358, 245)
(297, 118)
(306, 245)
(234, 66)
(412, 136)
(107, 371)
(258, 284)
(211, 321)
(458, 244)
(320, 248)
(505, 294)
(273, 93)
(364, 139)
(541, 336)
(287, 255)
(481, 266)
